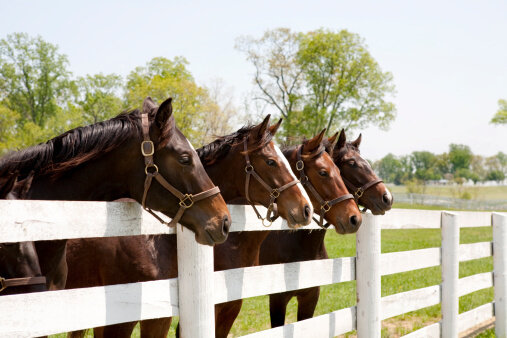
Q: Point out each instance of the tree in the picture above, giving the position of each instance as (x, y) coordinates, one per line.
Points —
(501, 115)
(460, 157)
(319, 79)
(495, 175)
(33, 77)
(424, 164)
(98, 97)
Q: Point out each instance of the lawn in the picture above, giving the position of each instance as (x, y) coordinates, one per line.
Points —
(475, 192)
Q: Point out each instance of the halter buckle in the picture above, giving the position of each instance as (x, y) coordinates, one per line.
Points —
(149, 152)
(275, 193)
(2, 284)
(325, 206)
(300, 165)
(148, 166)
(183, 201)
(249, 168)
(359, 192)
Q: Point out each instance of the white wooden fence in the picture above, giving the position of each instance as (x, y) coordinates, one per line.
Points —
(193, 294)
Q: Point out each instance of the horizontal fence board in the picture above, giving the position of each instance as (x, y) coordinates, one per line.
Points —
(404, 302)
(267, 279)
(328, 325)
(417, 219)
(32, 220)
(43, 313)
(474, 283)
(396, 262)
(430, 331)
(475, 250)
(480, 314)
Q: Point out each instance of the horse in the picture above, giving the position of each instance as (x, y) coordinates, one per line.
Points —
(140, 155)
(287, 247)
(19, 265)
(329, 195)
(245, 165)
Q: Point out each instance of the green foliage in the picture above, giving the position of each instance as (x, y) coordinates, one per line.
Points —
(501, 115)
(460, 157)
(495, 175)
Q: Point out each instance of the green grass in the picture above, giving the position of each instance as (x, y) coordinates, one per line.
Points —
(478, 193)
(254, 315)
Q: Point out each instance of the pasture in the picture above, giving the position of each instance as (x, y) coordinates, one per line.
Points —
(476, 192)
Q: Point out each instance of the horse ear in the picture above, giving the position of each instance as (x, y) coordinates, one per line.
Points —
(259, 130)
(6, 184)
(357, 142)
(148, 105)
(333, 138)
(274, 128)
(315, 142)
(342, 139)
(164, 112)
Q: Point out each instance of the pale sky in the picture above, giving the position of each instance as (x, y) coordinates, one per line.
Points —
(448, 58)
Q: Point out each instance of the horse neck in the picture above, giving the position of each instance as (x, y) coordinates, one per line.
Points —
(228, 173)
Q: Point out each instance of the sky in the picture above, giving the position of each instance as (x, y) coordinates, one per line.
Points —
(448, 58)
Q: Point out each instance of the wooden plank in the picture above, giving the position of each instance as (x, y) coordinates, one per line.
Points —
(328, 325)
(500, 272)
(430, 331)
(417, 219)
(267, 279)
(46, 220)
(475, 250)
(474, 317)
(404, 302)
(44, 313)
(474, 283)
(450, 274)
(396, 262)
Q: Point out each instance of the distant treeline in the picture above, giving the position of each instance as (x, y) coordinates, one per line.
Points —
(458, 165)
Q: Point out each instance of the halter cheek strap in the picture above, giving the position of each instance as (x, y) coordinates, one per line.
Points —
(272, 213)
(151, 171)
(358, 192)
(13, 282)
(325, 206)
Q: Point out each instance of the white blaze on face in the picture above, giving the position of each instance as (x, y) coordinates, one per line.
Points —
(389, 194)
(299, 185)
(190, 144)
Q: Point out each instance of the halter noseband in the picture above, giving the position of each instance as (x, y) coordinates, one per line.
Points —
(151, 170)
(12, 282)
(325, 206)
(358, 192)
(272, 213)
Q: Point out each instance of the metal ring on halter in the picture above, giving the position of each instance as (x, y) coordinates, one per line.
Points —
(267, 225)
(151, 166)
(2, 284)
(300, 165)
(326, 206)
(188, 197)
(274, 193)
(359, 193)
(249, 168)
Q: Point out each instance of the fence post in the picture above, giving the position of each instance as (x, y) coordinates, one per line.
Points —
(368, 278)
(450, 274)
(499, 222)
(195, 286)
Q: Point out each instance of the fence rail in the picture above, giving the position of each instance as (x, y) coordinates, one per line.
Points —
(61, 311)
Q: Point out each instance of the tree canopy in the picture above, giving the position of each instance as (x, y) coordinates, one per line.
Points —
(501, 115)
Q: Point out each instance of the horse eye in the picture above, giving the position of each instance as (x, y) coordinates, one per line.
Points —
(271, 163)
(323, 173)
(185, 160)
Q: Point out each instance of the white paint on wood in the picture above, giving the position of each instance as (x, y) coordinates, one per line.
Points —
(476, 316)
(450, 274)
(396, 262)
(328, 325)
(262, 280)
(45, 220)
(430, 331)
(408, 301)
(368, 277)
(44, 313)
(416, 219)
(500, 272)
(195, 277)
(475, 250)
(474, 283)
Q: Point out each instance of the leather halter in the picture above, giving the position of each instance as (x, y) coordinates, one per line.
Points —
(272, 213)
(151, 170)
(325, 206)
(12, 282)
(358, 192)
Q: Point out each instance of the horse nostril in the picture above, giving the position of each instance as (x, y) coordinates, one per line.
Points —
(226, 224)
(307, 212)
(386, 199)
(354, 220)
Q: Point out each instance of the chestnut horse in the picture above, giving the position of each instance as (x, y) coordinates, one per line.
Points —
(118, 158)
(287, 247)
(96, 262)
(242, 248)
(19, 264)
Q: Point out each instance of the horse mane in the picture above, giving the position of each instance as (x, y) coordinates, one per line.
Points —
(335, 154)
(72, 148)
(217, 149)
(286, 150)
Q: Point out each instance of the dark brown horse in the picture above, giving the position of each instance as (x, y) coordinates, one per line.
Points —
(94, 262)
(19, 265)
(242, 248)
(116, 159)
(303, 245)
